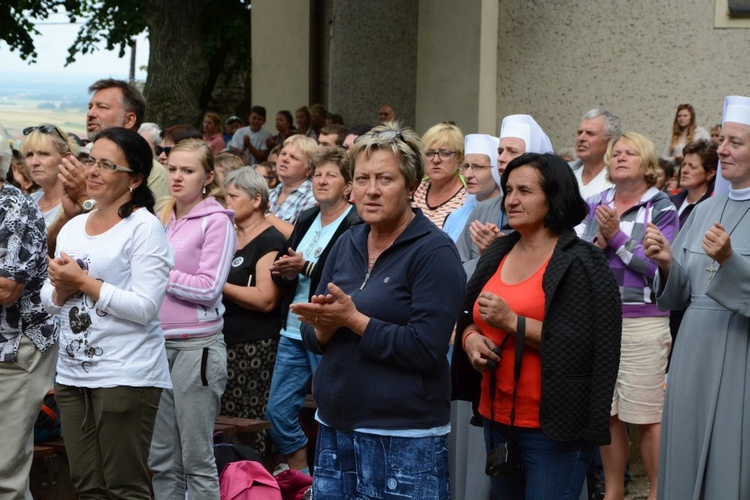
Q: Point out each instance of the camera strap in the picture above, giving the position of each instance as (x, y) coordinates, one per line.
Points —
(520, 338)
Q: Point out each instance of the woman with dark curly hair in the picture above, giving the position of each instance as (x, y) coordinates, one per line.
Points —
(106, 284)
(540, 337)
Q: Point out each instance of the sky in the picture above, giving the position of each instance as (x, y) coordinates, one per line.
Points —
(56, 35)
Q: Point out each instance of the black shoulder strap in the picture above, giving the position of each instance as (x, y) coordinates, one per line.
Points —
(520, 337)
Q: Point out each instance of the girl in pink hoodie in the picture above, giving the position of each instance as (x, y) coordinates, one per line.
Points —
(201, 232)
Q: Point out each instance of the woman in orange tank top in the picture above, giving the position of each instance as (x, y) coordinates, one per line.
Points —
(544, 287)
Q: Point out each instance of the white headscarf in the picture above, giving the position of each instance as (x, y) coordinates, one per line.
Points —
(482, 144)
(524, 127)
(736, 110)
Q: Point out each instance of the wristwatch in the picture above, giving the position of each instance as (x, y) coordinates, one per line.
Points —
(88, 205)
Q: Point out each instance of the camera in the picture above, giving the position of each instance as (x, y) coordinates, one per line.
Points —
(491, 363)
(504, 460)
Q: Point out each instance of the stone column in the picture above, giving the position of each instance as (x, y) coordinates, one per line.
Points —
(457, 68)
(372, 59)
(280, 31)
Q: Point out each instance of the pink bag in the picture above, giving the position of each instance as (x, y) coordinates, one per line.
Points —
(293, 484)
(247, 480)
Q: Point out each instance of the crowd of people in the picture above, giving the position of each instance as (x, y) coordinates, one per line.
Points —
(477, 316)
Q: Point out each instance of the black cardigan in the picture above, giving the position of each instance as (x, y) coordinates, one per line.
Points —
(681, 197)
(314, 272)
(580, 346)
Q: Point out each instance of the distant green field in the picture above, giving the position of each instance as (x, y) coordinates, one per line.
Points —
(24, 113)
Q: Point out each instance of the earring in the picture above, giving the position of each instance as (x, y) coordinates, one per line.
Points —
(204, 189)
(131, 190)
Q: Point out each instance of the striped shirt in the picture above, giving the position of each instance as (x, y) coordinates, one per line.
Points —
(634, 271)
(441, 212)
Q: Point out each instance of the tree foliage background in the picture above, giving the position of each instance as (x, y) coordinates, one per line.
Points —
(199, 56)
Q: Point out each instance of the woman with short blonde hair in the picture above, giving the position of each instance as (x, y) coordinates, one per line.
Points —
(43, 148)
(443, 190)
(616, 222)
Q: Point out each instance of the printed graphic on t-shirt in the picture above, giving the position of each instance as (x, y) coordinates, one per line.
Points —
(81, 347)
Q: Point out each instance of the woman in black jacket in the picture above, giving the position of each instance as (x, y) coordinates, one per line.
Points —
(557, 291)
(297, 271)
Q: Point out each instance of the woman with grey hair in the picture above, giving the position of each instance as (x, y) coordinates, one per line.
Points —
(28, 334)
(252, 319)
(152, 133)
(382, 318)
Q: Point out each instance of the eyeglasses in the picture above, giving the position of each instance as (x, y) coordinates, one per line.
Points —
(159, 150)
(385, 135)
(105, 165)
(45, 129)
(443, 154)
(474, 166)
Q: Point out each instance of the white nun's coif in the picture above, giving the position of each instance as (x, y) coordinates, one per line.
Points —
(736, 110)
(524, 127)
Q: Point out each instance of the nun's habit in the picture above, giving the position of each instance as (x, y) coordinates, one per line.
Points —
(482, 144)
(523, 127)
(705, 435)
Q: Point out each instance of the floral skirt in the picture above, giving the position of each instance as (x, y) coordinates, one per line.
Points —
(249, 372)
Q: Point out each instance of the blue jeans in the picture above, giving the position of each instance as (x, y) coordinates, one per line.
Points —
(553, 469)
(358, 465)
(294, 367)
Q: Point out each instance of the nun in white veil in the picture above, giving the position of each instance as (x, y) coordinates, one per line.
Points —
(475, 144)
(466, 442)
(705, 437)
(519, 134)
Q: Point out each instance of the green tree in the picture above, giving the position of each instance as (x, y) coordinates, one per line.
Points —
(195, 45)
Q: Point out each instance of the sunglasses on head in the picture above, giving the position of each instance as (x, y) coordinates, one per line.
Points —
(45, 129)
(159, 150)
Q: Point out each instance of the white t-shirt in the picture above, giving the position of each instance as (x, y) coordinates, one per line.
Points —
(50, 215)
(117, 340)
(597, 185)
(257, 139)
